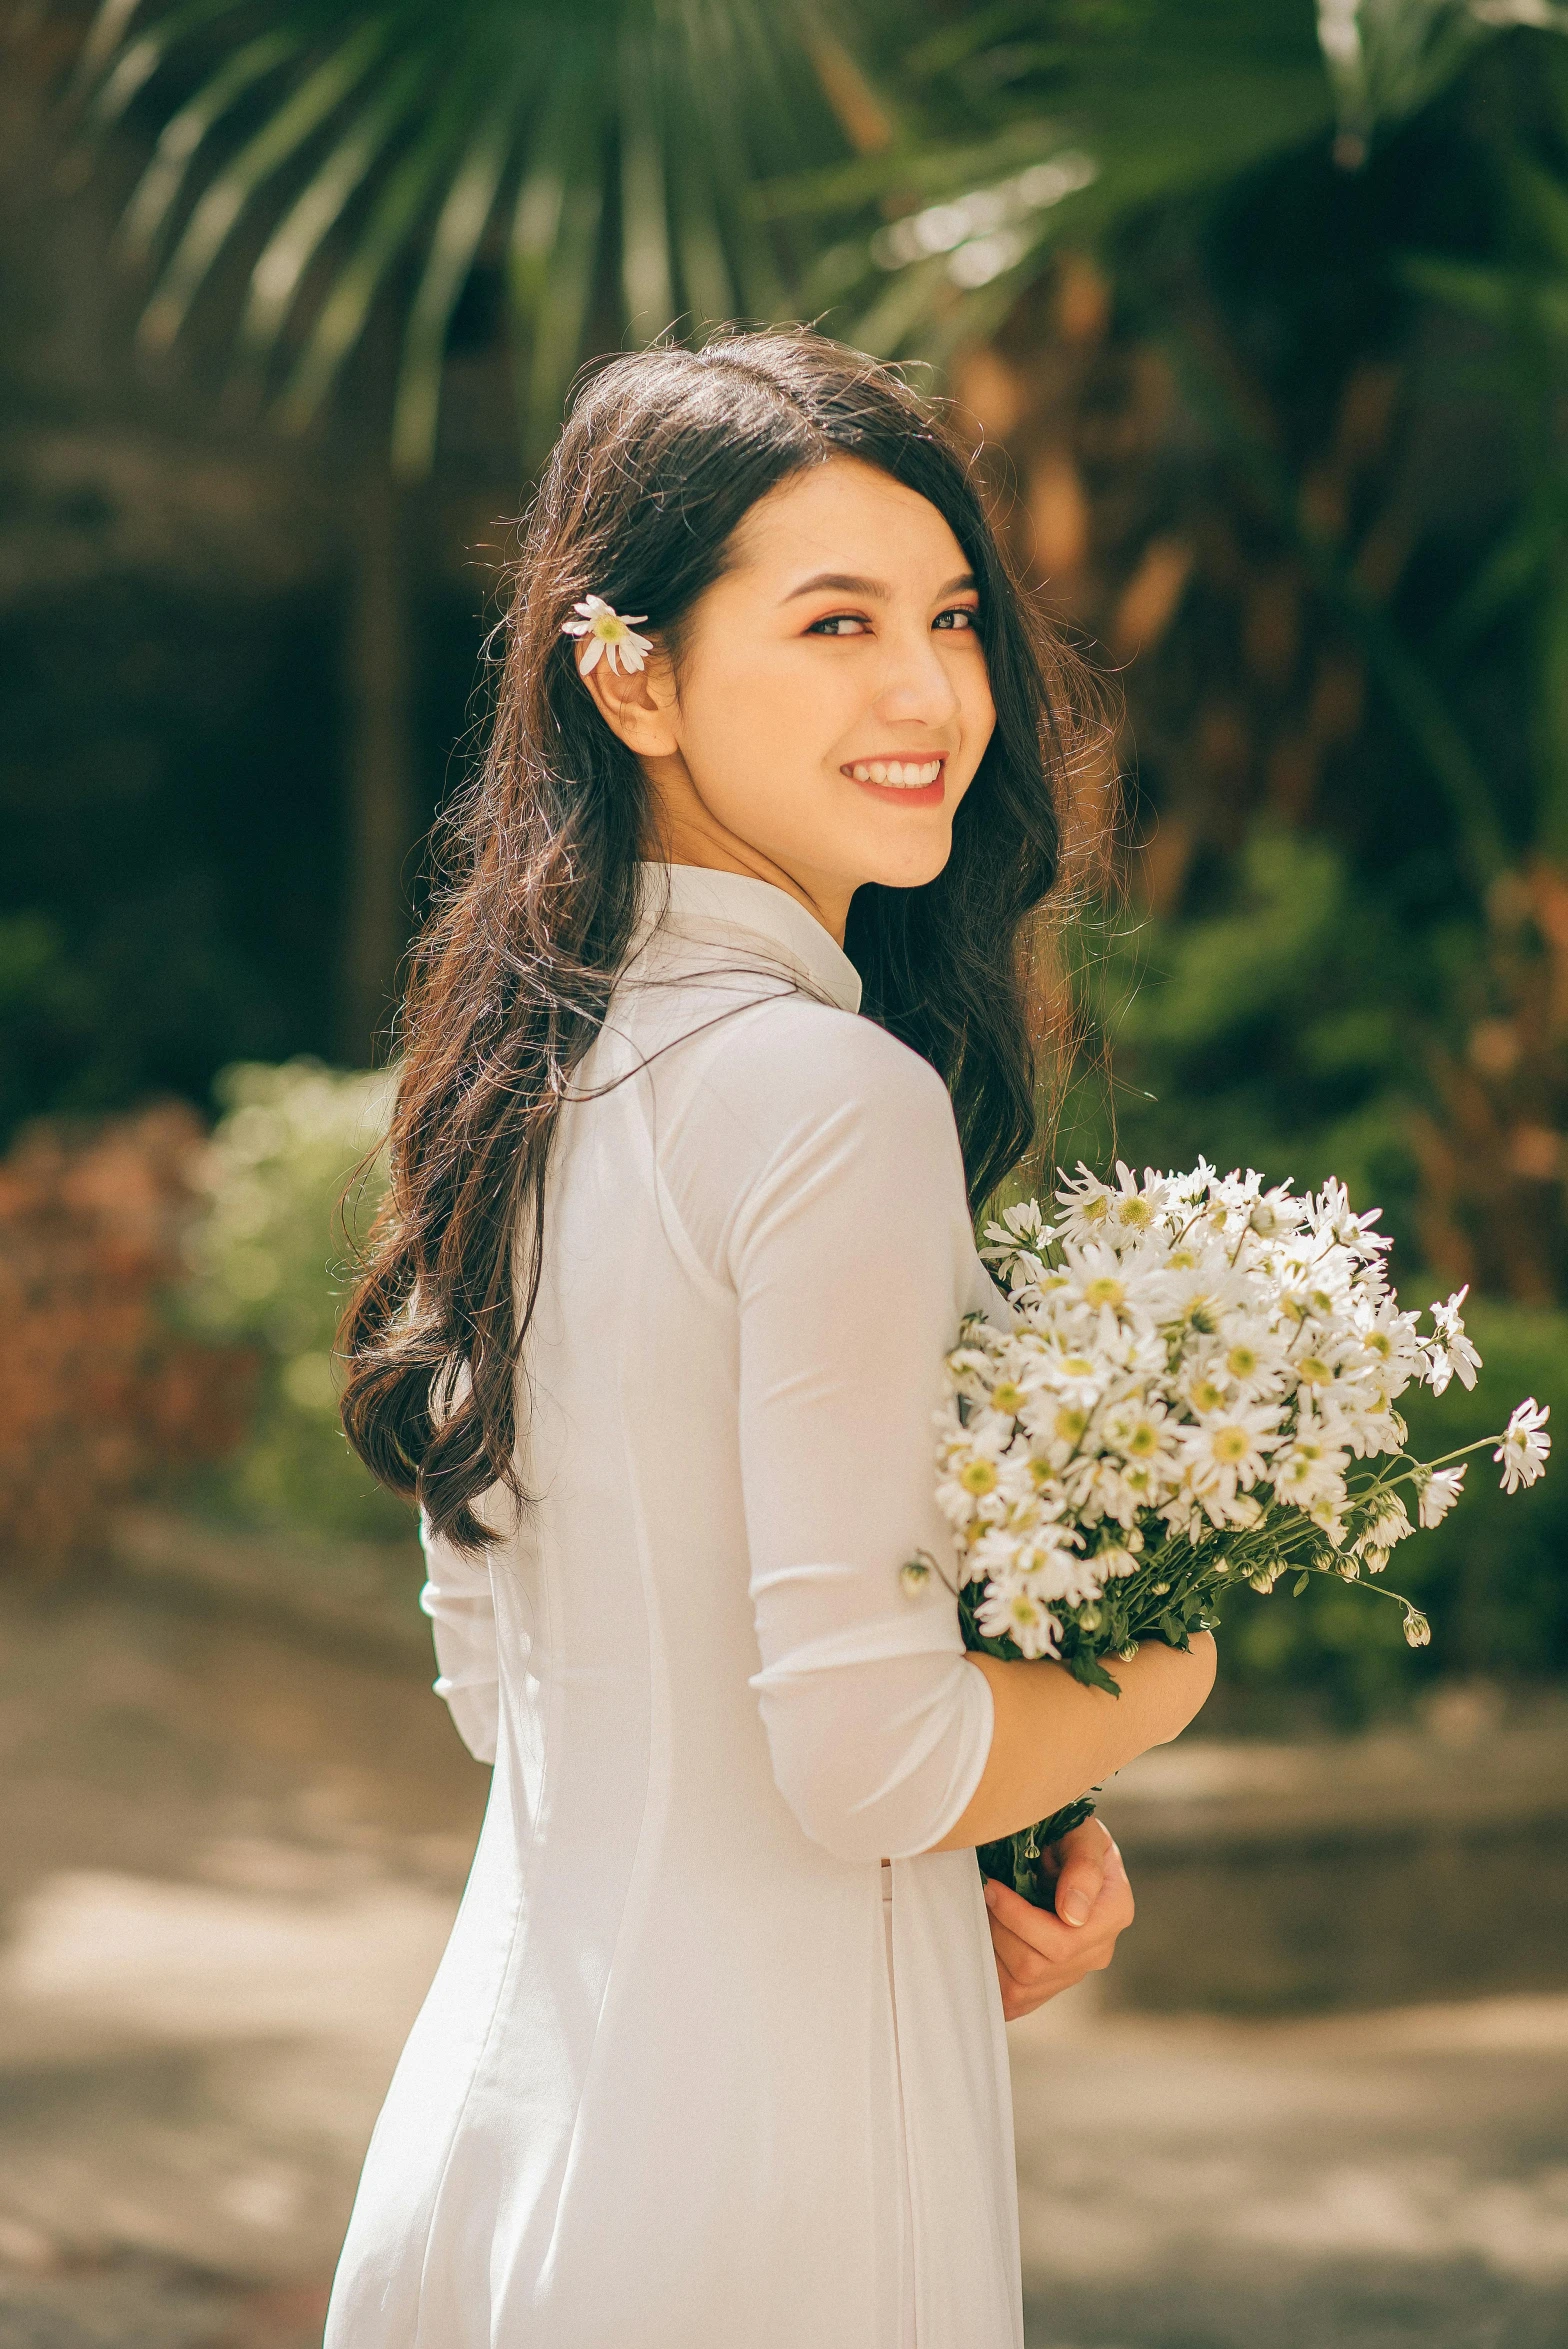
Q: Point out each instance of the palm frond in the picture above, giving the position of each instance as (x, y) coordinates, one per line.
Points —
(376, 152)
(1142, 103)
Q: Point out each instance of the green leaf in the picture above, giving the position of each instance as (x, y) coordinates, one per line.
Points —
(669, 113)
(398, 206)
(460, 225)
(1092, 1673)
(158, 189)
(280, 268)
(226, 198)
(1299, 1585)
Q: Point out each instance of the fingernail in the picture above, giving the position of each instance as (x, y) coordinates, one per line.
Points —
(990, 1891)
(1075, 1909)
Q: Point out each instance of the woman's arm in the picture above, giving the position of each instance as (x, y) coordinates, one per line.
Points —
(1052, 1738)
(458, 1600)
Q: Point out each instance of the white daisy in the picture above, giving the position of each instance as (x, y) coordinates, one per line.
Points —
(1231, 1447)
(1010, 1611)
(1523, 1450)
(1440, 1492)
(609, 635)
(1450, 1353)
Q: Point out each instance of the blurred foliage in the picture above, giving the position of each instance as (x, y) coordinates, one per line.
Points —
(580, 174)
(267, 1265)
(172, 838)
(102, 1394)
(1273, 1030)
(1490, 1577)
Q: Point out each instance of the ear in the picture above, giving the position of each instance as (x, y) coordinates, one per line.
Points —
(638, 705)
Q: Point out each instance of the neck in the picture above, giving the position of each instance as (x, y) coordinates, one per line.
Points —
(685, 831)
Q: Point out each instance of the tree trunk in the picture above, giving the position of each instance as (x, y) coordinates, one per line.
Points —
(380, 815)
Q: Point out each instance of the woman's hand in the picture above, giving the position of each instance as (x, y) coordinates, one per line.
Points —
(1038, 1953)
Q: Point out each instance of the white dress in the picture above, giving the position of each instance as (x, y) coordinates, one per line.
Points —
(677, 2083)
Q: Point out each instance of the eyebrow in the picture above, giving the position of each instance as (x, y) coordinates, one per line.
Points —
(849, 583)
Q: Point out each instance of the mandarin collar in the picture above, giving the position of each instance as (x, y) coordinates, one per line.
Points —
(691, 901)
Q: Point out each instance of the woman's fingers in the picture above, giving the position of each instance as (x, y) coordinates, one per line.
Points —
(1081, 1858)
(1037, 1955)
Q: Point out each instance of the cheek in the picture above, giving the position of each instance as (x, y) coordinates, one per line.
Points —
(978, 706)
(767, 715)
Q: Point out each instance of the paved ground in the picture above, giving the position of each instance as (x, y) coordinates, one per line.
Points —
(230, 1856)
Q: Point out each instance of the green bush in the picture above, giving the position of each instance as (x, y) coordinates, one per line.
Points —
(1271, 1029)
(269, 1263)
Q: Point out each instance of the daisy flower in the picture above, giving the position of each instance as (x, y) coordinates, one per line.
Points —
(1229, 1452)
(610, 636)
(1010, 1611)
(1439, 1493)
(1450, 1353)
(1524, 1448)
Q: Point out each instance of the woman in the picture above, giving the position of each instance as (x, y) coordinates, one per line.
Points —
(714, 1039)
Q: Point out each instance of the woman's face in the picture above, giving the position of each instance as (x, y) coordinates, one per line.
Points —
(833, 702)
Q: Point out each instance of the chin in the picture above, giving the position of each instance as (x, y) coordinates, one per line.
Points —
(909, 864)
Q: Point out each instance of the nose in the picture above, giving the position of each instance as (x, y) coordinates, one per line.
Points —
(916, 687)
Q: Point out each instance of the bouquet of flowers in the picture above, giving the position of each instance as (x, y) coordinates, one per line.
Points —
(1198, 1390)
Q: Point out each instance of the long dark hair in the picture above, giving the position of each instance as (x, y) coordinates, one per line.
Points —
(664, 453)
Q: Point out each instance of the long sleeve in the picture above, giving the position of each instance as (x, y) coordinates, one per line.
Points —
(845, 1233)
(457, 1598)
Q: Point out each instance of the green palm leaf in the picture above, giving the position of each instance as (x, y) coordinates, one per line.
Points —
(1144, 102)
(353, 151)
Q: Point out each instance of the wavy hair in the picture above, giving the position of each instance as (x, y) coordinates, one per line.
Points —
(663, 454)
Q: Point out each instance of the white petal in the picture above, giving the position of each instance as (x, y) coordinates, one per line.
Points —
(590, 654)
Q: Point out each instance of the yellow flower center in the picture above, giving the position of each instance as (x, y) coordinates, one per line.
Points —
(1005, 1396)
(1104, 1289)
(978, 1476)
(1138, 1213)
(1313, 1371)
(1077, 1366)
(1096, 1210)
(1229, 1444)
(1142, 1440)
(1040, 1473)
(1241, 1361)
(1070, 1424)
(1207, 1395)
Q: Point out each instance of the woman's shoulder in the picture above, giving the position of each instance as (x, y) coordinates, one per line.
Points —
(794, 1058)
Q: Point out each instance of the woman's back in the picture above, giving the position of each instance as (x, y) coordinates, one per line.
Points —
(668, 2087)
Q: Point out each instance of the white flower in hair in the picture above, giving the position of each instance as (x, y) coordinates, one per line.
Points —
(607, 634)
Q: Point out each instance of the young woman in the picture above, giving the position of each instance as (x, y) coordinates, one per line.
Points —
(712, 1044)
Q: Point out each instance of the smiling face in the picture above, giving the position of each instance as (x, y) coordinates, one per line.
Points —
(833, 702)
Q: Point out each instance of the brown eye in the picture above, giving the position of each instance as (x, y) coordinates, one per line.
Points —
(836, 621)
(960, 612)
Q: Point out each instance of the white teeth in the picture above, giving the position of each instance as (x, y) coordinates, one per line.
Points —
(900, 774)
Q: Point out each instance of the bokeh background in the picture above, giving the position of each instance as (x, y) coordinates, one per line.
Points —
(1258, 316)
